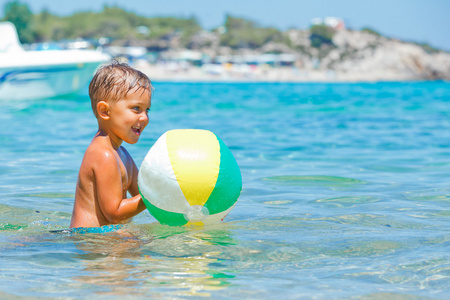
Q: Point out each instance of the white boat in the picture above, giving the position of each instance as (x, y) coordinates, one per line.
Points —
(42, 74)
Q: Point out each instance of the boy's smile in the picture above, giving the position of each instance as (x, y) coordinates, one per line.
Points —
(136, 129)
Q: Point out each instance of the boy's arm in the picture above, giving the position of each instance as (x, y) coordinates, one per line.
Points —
(110, 191)
(133, 189)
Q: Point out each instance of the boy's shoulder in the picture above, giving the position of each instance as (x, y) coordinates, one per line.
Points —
(100, 152)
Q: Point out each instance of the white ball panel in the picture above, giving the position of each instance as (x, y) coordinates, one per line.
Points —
(158, 183)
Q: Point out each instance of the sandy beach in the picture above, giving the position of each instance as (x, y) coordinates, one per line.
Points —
(245, 73)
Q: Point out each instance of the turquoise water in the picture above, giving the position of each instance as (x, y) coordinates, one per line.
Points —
(345, 195)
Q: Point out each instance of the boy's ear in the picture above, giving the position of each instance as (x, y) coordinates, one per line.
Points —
(103, 110)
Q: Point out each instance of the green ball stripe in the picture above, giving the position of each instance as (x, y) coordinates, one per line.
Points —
(163, 216)
(228, 185)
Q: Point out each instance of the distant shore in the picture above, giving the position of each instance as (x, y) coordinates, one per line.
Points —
(355, 57)
(174, 73)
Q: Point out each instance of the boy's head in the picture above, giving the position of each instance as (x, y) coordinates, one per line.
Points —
(115, 81)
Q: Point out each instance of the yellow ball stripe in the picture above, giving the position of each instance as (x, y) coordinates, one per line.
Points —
(195, 159)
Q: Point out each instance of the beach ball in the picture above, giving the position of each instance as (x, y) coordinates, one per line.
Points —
(189, 176)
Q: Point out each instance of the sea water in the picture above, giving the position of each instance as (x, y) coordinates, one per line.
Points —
(345, 195)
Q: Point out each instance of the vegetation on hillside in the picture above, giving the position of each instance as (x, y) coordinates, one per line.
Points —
(112, 22)
(120, 25)
(241, 33)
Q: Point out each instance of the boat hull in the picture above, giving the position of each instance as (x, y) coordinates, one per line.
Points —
(44, 81)
(46, 74)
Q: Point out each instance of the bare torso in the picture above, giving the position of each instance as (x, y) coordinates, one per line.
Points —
(88, 208)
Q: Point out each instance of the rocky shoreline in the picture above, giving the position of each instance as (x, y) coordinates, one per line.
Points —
(356, 56)
(275, 74)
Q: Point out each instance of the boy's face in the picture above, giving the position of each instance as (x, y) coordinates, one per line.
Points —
(129, 117)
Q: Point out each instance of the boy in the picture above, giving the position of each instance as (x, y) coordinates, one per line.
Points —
(120, 98)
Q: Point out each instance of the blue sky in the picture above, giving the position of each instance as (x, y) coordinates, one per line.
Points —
(425, 21)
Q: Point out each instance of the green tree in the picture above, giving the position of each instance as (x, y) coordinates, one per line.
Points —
(161, 26)
(321, 35)
(371, 31)
(115, 23)
(45, 26)
(190, 28)
(242, 33)
(20, 15)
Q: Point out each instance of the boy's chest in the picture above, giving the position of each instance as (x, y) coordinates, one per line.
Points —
(126, 169)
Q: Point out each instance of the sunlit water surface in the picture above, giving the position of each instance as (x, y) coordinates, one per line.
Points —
(345, 195)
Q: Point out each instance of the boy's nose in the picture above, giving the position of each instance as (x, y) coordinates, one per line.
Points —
(143, 117)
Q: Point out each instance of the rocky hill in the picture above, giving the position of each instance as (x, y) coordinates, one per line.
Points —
(363, 55)
(360, 54)
(349, 56)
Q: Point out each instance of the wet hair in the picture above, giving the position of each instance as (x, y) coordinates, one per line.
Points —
(114, 81)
